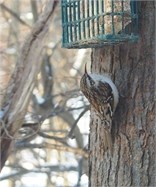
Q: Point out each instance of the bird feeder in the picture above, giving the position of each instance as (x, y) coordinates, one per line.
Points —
(95, 23)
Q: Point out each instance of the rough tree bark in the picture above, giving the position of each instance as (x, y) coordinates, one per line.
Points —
(132, 69)
(22, 83)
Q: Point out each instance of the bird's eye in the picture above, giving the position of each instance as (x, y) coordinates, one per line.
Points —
(92, 83)
(90, 80)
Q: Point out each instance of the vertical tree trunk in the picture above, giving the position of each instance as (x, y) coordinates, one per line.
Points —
(132, 69)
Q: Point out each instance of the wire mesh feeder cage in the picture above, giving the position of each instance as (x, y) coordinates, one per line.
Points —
(94, 23)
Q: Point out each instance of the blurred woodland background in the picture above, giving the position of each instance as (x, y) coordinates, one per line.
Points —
(51, 147)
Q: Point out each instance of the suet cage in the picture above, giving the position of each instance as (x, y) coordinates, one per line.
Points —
(94, 23)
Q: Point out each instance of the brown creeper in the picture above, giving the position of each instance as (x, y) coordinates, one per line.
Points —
(103, 96)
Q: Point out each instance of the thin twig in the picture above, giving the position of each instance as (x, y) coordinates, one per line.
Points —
(39, 169)
(61, 140)
(14, 15)
(5, 129)
(70, 134)
(26, 145)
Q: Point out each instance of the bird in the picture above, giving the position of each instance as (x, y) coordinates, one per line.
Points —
(103, 97)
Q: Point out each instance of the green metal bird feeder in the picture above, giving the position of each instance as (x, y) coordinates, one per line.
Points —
(95, 23)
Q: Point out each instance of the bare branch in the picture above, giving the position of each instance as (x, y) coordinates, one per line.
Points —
(70, 134)
(61, 140)
(40, 169)
(78, 151)
(34, 9)
(14, 14)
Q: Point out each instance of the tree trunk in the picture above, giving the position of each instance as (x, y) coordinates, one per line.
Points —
(132, 70)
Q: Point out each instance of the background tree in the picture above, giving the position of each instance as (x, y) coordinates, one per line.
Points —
(132, 69)
(41, 105)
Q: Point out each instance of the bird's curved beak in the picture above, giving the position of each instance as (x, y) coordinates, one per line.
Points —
(86, 68)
